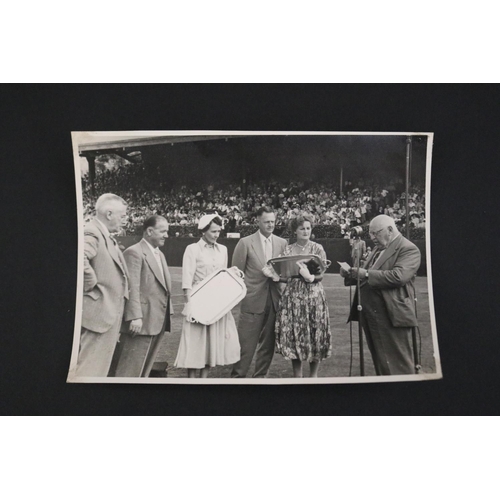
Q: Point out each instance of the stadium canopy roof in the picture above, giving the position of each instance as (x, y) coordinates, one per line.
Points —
(125, 146)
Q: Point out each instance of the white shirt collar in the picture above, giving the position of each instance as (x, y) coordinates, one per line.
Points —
(106, 230)
(263, 239)
(204, 244)
(153, 249)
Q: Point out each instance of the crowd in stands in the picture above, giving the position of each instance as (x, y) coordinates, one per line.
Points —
(184, 205)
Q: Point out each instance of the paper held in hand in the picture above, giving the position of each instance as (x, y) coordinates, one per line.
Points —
(345, 266)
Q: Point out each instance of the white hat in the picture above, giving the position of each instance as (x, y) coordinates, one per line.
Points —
(206, 220)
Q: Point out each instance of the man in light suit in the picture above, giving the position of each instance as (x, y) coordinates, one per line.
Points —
(106, 287)
(387, 298)
(258, 308)
(148, 310)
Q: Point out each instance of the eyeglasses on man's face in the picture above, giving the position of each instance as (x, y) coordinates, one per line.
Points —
(376, 233)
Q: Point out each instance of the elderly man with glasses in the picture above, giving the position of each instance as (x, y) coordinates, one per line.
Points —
(387, 297)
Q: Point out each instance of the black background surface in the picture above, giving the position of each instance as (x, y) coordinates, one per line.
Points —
(39, 244)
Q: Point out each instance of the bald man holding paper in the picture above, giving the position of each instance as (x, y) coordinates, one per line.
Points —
(387, 297)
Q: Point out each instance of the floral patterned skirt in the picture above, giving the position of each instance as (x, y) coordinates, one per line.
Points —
(303, 322)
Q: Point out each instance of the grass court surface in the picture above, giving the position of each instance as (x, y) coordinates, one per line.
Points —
(338, 364)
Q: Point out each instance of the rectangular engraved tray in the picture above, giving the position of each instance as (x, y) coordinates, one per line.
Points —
(286, 267)
(216, 295)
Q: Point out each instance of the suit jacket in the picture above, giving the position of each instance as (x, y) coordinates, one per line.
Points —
(394, 275)
(105, 279)
(249, 257)
(149, 292)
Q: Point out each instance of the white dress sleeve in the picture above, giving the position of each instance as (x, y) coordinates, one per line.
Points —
(188, 267)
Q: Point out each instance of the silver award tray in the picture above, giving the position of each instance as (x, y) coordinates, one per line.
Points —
(216, 295)
(286, 267)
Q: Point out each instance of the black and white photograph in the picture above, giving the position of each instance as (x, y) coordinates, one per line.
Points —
(253, 257)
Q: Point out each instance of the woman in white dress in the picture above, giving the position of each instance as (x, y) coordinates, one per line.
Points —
(202, 346)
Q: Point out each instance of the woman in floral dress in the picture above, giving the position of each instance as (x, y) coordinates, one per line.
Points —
(303, 321)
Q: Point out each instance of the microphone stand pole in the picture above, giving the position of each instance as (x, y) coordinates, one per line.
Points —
(360, 310)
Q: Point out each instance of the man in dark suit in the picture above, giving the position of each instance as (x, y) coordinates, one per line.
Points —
(147, 313)
(258, 308)
(387, 297)
(106, 288)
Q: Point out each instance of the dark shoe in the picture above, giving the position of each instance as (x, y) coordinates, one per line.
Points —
(158, 374)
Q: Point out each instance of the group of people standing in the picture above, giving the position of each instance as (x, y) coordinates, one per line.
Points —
(134, 289)
(289, 317)
(127, 303)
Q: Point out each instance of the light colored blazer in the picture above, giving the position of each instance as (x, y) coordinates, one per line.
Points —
(105, 279)
(149, 292)
(394, 275)
(249, 257)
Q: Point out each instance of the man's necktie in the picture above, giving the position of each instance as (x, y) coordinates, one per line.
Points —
(374, 259)
(269, 250)
(156, 253)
